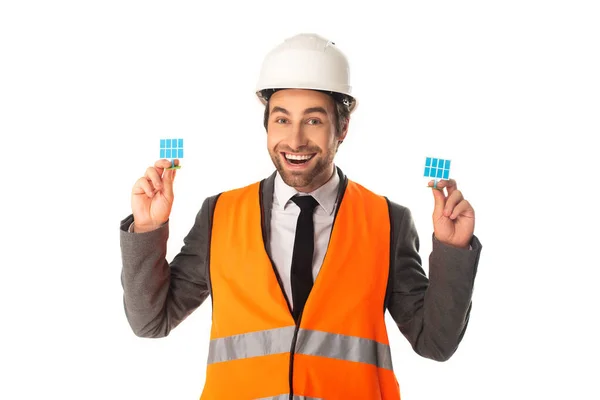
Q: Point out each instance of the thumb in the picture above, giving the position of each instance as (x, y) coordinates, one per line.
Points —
(168, 179)
(439, 202)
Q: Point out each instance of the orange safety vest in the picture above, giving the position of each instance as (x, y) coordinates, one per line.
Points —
(340, 349)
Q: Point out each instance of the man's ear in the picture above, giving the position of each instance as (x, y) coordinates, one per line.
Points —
(344, 132)
(342, 136)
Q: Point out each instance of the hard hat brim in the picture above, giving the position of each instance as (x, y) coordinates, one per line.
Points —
(264, 100)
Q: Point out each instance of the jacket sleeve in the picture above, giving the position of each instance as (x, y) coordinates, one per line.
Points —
(158, 295)
(432, 313)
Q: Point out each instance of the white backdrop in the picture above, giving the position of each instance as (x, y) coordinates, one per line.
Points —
(509, 91)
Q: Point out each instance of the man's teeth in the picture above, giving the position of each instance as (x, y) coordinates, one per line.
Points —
(299, 157)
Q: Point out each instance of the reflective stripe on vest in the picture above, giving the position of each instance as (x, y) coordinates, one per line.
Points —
(340, 348)
(254, 344)
(312, 343)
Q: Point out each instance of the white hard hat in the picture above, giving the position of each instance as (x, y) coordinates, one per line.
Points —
(306, 61)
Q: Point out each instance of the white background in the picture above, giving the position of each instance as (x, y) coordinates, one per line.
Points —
(508, 90)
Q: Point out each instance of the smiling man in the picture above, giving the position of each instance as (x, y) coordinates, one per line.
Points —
(302, 265)
(303, 137)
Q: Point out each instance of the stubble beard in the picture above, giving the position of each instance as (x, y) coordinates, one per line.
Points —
(302, 179)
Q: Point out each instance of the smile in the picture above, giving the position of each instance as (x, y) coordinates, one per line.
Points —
(298, 159)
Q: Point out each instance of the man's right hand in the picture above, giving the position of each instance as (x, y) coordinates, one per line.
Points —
(152, 197)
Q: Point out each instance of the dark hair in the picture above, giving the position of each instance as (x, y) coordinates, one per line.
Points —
(341, 109)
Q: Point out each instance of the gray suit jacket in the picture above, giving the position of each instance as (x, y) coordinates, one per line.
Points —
(432, 313)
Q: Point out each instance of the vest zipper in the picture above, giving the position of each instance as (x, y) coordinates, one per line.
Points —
(292, 352)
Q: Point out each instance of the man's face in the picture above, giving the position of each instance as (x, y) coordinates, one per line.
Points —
(301, 137)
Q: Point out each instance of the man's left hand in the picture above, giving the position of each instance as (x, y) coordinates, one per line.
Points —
(453, 216)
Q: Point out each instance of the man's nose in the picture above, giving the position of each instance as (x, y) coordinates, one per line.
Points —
(298, 137)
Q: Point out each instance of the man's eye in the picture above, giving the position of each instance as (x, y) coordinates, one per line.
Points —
(281, 120)
(313, 121)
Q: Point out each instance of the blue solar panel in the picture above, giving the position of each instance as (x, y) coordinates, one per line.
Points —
(437, 168)
(171, 148)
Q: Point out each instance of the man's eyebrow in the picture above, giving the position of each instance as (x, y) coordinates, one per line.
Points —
(315, 110)
(307, 111)
(280, 109)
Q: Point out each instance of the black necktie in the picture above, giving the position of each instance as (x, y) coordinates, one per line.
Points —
(304, 245)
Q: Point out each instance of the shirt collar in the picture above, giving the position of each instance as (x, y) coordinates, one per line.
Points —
(326, 195)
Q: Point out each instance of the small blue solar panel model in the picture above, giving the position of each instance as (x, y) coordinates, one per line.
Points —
(171, 149)
(437, 168)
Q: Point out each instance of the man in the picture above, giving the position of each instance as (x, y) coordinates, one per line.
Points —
(301, 266)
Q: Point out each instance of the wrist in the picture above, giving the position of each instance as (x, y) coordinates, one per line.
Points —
(464, 246)
(139, 228)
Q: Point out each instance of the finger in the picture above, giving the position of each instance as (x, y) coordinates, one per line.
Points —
(462, 208)
(143, 185)
(439, 203)
(448, 184)
(451, 202)
(432, 184)
(168, 179)
(162, 164)
(153, 174)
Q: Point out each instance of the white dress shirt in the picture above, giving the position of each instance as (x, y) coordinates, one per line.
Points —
(283, 226)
